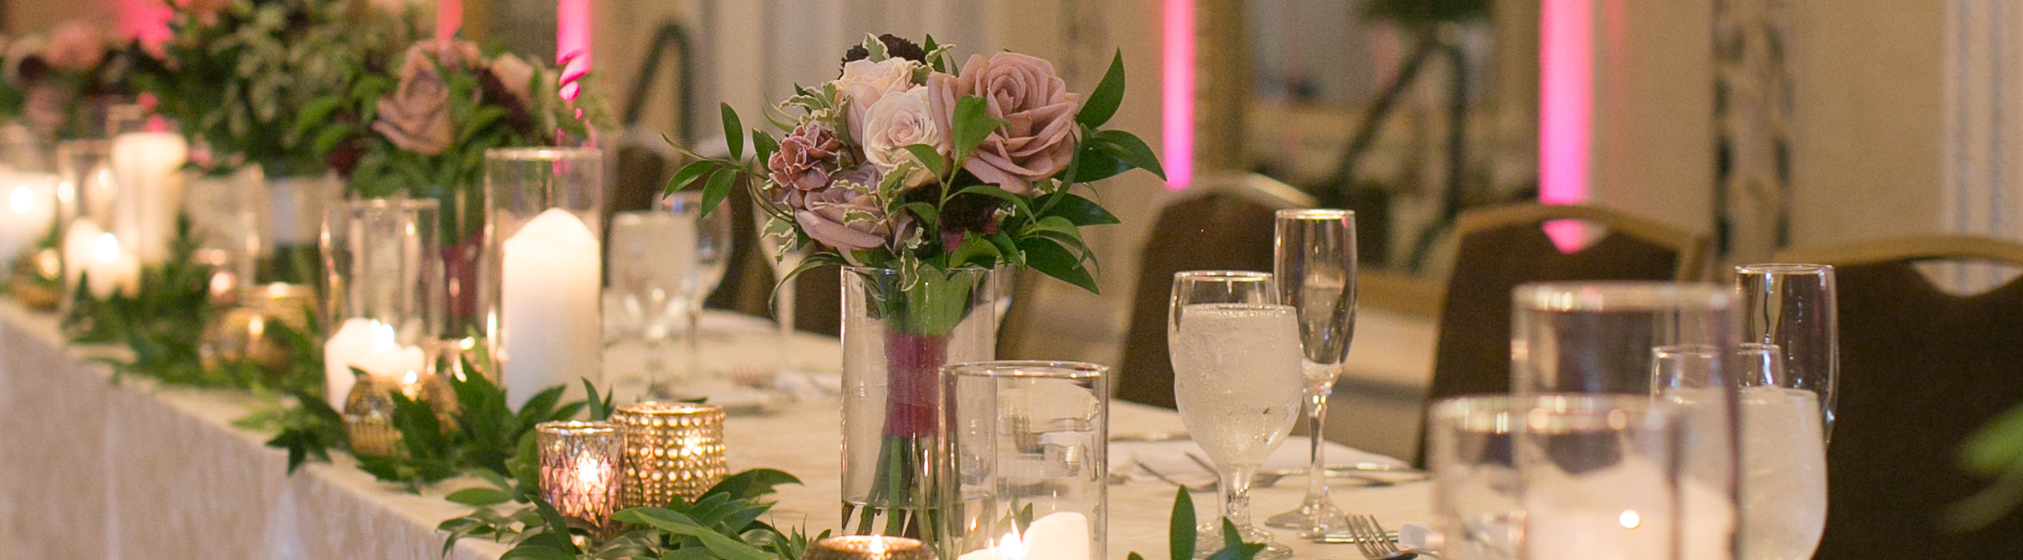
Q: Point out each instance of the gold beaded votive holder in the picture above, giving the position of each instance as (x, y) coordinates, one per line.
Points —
(868, 547)
(368, 410)
(580, 469)
(671, 449)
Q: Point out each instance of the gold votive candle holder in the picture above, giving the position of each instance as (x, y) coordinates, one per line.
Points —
(868, 547)
(368, 410)
(580, 469)
(671, 449)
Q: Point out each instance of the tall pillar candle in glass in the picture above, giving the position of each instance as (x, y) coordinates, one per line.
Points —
(383, 281)
(148, 167)
(898, 330)
(84, 193)
(1604, 337)
(1030, 460)
(544, 265)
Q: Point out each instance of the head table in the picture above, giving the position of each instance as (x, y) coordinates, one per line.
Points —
(92, 467)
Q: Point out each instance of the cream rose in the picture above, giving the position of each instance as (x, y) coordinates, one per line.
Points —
(898, 121)
(864, 83)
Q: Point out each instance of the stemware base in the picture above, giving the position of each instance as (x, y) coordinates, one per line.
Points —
(1208, 541)
(1314, 516)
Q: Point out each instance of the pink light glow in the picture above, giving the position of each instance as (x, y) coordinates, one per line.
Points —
(572, 43)
(144, 20)
(1565, 110)
(1176, 87)
(449, 18)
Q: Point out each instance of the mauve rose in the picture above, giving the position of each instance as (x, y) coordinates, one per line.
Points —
(75, 46)
(516, 75)
(804, 161)
(1025, 92)
(865, 82)
(901, 120)
(844, 218)
(416, 115)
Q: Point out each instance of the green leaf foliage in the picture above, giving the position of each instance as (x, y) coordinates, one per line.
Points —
(1109, 95)
(734, 132)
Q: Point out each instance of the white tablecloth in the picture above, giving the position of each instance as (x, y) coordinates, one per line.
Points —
(92, 469)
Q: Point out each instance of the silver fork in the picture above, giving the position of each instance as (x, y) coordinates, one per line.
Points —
(1374, 542)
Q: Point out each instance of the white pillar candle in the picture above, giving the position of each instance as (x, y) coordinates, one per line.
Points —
(27, 206)
(112, 267)
(77, 244)
(1056, 536)
(147, 166)
(549, 332)
(370, 346)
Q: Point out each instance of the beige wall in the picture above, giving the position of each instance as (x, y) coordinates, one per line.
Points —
(1868, 117)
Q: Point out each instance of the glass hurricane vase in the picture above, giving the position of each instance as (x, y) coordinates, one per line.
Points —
(899, 329)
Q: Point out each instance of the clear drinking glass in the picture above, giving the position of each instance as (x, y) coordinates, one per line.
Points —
(778, 246)
(1316, 271)
(1552, 476)
(541, 292)
(647, 297)
(1030, 459)
(702, 250)
(1793, 306)
(1599, 338)
(1237, 380)
(1783, 447)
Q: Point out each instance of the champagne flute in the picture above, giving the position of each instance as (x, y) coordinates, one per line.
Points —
(1237, 381)
(1316, 272)
(702, 249)
(778, 245)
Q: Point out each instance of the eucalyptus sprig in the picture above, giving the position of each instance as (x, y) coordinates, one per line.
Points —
(724, 522)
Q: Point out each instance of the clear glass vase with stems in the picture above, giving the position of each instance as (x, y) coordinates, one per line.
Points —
(899, 328)
(295, 205)
(1238, 381)
(541, 291)
(1315, 265)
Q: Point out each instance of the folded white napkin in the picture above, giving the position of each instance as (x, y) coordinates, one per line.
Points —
(1169, 458)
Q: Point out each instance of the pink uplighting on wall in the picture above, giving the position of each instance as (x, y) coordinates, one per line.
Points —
(1565, 110)
(1176, 87)
(144, 20)
(572, 43)
(449, 17)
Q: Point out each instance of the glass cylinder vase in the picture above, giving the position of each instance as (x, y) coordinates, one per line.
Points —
(286, 240)
(1030, 460)
(899, 329)
(382, 290)
(544, 267)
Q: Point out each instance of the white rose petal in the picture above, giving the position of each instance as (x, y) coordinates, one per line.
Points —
(901, 120)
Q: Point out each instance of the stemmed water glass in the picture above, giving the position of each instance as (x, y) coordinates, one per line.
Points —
(1237, 380)
(777, 243)
(646, 298)
(702, 249)
(1316, 273)
(1793, 307)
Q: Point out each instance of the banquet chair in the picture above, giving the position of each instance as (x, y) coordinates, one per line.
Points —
(1501, 248)
(1222, 222)
(1921, 370)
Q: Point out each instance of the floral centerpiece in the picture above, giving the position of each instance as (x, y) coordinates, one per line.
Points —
(923, 177)
(52, 84)
(424, 128)
(253, 81)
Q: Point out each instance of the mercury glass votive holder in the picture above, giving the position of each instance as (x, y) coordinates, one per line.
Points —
(671, 449)
(580, 468)
(868, 547)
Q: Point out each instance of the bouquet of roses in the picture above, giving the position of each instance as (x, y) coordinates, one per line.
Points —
(254, 81)
(907, 162)
(926, 176)
(51, 83)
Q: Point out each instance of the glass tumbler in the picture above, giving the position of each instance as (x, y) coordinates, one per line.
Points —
(383, 289)
(544, 265)
(1030, 464)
